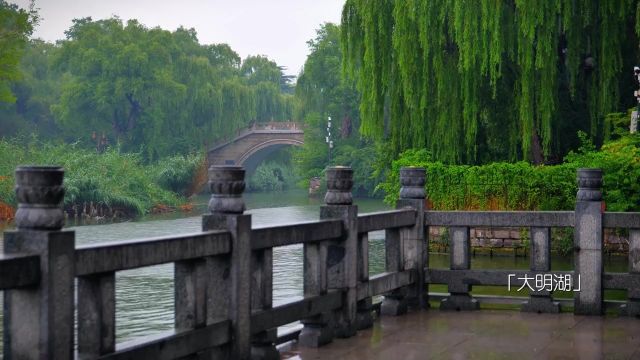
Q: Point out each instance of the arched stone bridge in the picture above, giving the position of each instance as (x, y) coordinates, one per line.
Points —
(254, 144)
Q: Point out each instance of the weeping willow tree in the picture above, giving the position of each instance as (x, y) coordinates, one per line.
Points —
(482, 80)
(159, 91)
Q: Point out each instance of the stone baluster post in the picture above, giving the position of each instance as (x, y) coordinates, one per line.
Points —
(460, 259)
(96, 315)
(588, 242)
(395, 302)
(263, 344)
(38, 321)
(415, 242)
(406, 247)
(632, 307)
(365, 306)
(342, 254)
(332, 264)
(540, 301)
(228, 279)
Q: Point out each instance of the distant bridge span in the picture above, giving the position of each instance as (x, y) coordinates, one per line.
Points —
(252, 145)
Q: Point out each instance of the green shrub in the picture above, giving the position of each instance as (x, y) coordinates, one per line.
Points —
(562, 241)
(272, 176)
(522, 186)
(176, 173)
(117, 180)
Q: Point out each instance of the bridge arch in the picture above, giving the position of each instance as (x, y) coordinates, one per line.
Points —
(253, 145)
(267, 144)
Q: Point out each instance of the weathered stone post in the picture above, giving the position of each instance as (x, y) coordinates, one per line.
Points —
(540, 301)
(38, 321)
(416, 251)
(406, 248)
(332, 264)
(364, 317)
(460, 259)
(191, 291)
(263, 344)
(96, 315)
(632, 307)
(342, 255)
(588, 243)
(228, 290)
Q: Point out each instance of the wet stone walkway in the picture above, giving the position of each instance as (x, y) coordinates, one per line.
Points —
(485, 334)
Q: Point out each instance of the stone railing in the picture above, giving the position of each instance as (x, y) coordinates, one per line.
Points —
(513, 239)
(271, 126)
(588, 221)
(277, 125)
(224, 274)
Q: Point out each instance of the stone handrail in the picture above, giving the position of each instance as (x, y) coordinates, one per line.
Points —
(500, 218)
(588, 221)
(224, 274)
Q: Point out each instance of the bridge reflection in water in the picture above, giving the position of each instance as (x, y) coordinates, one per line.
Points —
(224, 281)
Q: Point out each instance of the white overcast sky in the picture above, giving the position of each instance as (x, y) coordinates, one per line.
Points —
(278, 29)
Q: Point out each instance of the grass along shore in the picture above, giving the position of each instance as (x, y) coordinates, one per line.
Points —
(111, 185)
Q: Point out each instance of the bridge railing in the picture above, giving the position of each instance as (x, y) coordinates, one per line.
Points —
(224, 274)
(277, 125)
(271, 125)
(587, 280)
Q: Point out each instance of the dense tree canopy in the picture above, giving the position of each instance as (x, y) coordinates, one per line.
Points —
(146, 89)
(268, 80)
(15, 27)
(35, 91)
(321, 92)
(320, 86)
(474, 81)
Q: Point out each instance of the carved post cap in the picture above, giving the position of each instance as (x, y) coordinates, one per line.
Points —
(226, 183)
(589, 185)
(339, 184)
(412, 180)
(40, 194)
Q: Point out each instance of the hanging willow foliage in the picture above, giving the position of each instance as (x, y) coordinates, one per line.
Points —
(463, 77)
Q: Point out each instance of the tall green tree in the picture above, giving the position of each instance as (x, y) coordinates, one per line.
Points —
(257, 69)
(145, 89)
(271, 88)
(16, 25)
(149, 89)
(321, 88)
(322, 91)
(35, 91)
(479, 80)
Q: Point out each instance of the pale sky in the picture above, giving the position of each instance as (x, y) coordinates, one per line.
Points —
(278, 29)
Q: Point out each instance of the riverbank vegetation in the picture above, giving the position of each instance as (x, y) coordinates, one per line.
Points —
(112, 184)
(523, 186)
(272, 176)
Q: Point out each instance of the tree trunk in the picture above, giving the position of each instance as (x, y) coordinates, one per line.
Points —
(537, 154)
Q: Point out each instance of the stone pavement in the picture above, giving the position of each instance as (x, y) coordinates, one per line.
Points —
(485, 334)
